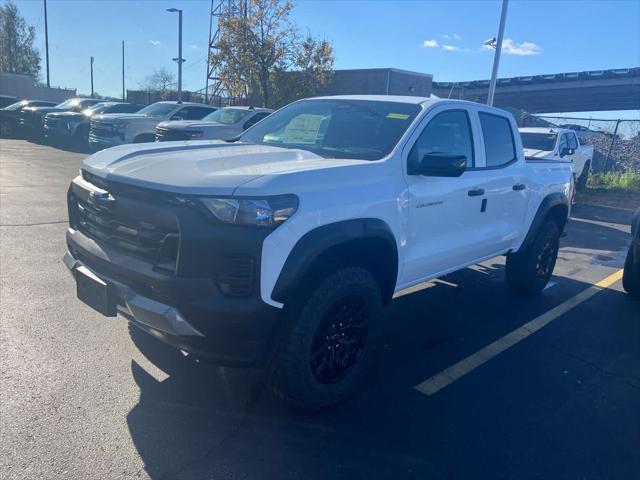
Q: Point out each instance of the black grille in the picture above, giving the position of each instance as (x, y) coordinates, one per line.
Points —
(51, 122)
(235, 277)
(136, 236)
(168, 134)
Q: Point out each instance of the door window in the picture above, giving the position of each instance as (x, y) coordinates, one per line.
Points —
(255, 119)
(572, 141)
(192, 113)
(447, 133)
(563, 143)
(499, 147)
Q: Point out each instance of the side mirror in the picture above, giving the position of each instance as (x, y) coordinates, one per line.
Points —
(566, 151)
(442, 165)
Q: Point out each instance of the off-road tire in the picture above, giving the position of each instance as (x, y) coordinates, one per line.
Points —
(581, 184)
(289, 371)
(528, 271)
(631, 276)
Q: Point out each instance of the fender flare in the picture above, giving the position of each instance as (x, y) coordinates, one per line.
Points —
(321, 239)
(548, 203)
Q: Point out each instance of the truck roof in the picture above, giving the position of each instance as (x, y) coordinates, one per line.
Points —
(543, 130)
(408, 99)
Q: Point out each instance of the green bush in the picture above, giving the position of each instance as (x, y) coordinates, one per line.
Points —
(615, 180)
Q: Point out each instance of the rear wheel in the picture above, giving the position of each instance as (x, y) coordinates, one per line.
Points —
(581, 184)
(528, 271)
(325, 340)
(631, 277)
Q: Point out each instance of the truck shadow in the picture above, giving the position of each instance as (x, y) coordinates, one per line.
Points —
(210, 422)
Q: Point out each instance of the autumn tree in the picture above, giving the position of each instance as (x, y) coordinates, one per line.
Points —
(17, 53)
(258, 43)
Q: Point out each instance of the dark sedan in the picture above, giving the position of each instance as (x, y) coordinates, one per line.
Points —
(10, 115)
(631, 278)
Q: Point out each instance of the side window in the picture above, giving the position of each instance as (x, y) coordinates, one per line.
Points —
(449, 133)
(255, 119)
(192, 113)
(573, 142)
(498, 140)
(563, 143)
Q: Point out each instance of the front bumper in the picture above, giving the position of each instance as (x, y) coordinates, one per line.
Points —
(99, 142)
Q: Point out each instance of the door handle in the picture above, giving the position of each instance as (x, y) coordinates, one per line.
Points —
(519, 186)
(476, 192)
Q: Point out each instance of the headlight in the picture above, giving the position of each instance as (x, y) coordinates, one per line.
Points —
(262, 212)
(196, 134)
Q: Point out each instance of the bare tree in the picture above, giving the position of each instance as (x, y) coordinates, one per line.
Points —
(161, 80)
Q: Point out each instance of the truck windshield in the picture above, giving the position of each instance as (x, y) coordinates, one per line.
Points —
(67, 104)
(227, 116)
(158, 109)
(336, 128)
(539, 141)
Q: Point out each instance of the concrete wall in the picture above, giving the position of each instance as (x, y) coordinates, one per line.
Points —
(379, 81)
(23, 87)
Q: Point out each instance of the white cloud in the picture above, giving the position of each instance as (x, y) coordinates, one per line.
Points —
(155, 43)
(430, 43)
(194, 47)
(451, 48)
(524, 49)
(457, 36)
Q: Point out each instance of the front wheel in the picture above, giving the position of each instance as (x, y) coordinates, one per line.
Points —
(322, 348)
(581, 184)
(631, 276)
(528, 271)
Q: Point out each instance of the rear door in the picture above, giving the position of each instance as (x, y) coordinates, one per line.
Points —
(444, 229)
(507, 184)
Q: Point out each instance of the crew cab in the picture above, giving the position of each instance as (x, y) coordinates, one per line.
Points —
(280, 249)
(560, 145)
(32, 118)
(10, 115)
(114, 129)
(223, 124)
(71, 125)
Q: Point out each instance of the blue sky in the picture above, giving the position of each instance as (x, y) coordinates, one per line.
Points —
(443, 38)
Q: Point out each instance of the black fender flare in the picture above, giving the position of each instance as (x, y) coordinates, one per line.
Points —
(316, 242)
(551, 201)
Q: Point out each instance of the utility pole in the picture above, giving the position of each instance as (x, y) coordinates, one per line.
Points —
(46, 41)
(91, 77)
(124, 98)
(180, 60)
(496, 58)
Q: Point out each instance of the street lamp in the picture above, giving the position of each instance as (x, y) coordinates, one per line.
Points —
(497, 44)
(180, 60)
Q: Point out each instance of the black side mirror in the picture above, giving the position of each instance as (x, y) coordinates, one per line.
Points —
(442, 165)
(566, 151)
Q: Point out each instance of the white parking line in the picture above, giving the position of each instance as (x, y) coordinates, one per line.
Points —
(449, 375)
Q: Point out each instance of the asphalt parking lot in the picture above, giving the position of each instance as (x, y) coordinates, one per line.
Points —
(83, 397)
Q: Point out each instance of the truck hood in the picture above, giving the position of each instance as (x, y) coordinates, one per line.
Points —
(123, 116)
(42, 110)
(68, 115)
(533, 153)
(202, 167)
(190, 125)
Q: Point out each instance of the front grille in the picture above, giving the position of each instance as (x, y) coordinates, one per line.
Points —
(52, 122)
(102, 129)
(135, 235)
(169, 134)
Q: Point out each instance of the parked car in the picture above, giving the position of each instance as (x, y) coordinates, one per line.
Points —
(631, 277)
(10, 115)
(6, 100)
(223, 124)
(582, 132)
(280, 249)
(560, 145)
(32, 118)
(71, 125)
(115, 129)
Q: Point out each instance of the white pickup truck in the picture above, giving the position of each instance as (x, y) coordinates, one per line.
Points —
(560, 145)
(281, 248)
(223, 124)
(108, 130)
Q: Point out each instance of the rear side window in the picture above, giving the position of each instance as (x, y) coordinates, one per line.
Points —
(498, 140)
(573, 142)
(447, 133)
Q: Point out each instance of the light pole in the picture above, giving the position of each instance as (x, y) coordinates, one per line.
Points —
(91, 77)
(496, 58)
(46, 41)
(180, 60)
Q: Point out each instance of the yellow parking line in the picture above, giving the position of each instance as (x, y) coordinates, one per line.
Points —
(449, 375)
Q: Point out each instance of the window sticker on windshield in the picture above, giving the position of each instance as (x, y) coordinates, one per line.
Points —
(303, 129)
(399, 116)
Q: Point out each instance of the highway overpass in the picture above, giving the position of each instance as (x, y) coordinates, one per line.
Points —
(596, 90)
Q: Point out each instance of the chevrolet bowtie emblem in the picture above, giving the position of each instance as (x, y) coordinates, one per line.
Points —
(101, 199)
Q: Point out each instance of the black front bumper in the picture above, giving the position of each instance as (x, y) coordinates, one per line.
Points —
(185, 307)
